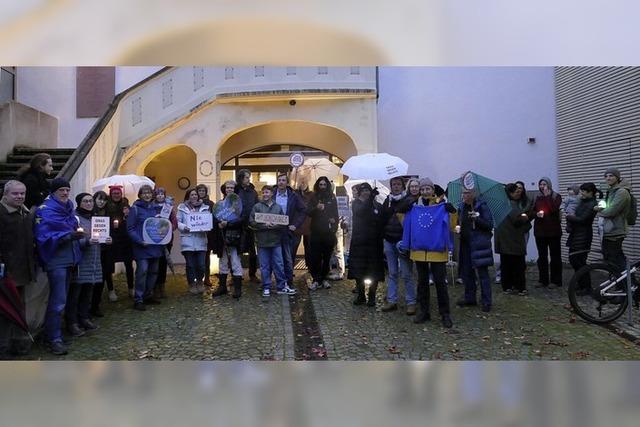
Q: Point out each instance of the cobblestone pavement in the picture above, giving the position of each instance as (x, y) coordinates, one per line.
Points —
(187, 327)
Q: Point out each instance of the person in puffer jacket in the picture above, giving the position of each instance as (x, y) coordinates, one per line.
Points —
(146, 255)
(476, 252)
(88, 272)
(193, 243)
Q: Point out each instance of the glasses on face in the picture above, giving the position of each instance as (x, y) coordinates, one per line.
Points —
(87, 201)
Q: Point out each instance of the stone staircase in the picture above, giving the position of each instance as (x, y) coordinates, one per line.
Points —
(22, 155)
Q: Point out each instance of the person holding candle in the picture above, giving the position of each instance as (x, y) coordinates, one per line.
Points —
(56, 233)
(476, 254)
(548, 231)
(146, 255)
(88, 273)
(511, 243)
(121, 249)
(581, 232)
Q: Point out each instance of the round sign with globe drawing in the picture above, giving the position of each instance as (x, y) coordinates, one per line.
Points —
(296, 159)
(468, 181)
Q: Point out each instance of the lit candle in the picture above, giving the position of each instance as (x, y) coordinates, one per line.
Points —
(541, 214)
(458, 229)
(80, 230)
(96, 235)
(115, 223)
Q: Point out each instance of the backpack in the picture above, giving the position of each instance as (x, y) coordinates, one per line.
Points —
(632, 214)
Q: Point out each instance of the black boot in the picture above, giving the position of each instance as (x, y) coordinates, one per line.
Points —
(422, 298)
(75, 330)
(222, 286)
(446, 321)
(371, 301)
(237, 286)
(360, 298)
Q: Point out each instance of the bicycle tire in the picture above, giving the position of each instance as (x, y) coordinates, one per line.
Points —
(615, 306)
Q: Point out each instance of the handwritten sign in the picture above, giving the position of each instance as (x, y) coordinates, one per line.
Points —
(100, 226)
(264, 218)
(200, 221)
(343, 206)
(157, 231)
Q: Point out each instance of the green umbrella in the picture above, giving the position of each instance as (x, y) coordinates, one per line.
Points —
(490, 191)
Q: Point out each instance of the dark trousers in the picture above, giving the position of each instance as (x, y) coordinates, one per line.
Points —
(128, 267)
(578, 261)
(513, 269)
(549, 247)
(439, 272)
(468, 275)
(612, 253)
(78, 302)
(162, 268)
(320, 258)
(253, 261)
(296, 244)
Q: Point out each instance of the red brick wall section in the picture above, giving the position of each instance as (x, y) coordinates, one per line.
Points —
(95, 89)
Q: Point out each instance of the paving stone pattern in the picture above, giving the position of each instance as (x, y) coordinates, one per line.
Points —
(187, 327)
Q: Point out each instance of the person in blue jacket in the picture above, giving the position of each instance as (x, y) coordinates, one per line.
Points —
(57, 233)
(476, 253)
(146, 255)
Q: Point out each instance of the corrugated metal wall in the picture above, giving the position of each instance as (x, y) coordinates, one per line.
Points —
(598, 126)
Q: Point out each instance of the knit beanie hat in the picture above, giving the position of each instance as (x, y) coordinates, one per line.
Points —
(424, 182)
(59, 183)
(613, 171)
(81, 196)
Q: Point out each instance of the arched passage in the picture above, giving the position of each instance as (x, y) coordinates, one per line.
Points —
(310, 134)
(173, 169)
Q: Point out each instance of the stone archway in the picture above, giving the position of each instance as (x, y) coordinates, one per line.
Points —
(297, 132)
(173, 169)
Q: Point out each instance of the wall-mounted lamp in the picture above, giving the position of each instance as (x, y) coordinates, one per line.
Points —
(531, 141)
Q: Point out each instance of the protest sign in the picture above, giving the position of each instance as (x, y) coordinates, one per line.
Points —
(100, 227)
(264, 218)
(200, 221)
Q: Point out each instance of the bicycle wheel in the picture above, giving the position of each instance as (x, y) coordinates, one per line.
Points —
(586, 298)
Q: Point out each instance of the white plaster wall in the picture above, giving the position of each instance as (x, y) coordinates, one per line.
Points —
(129, 76)
(52, 90)
(445, 121)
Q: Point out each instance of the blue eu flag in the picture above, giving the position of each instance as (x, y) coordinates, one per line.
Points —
(426, 228)
(54, 221)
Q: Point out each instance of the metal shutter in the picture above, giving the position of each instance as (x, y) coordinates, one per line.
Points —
(598, 126)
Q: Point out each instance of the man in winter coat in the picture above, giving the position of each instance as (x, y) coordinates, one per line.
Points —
(17, 254)
(269, 241)
(396, 262)
(249, 197)
(476, 253)
(293, 206)
(57, 234)
(615, 226)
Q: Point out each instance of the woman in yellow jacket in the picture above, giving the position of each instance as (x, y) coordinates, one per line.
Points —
(432, 262)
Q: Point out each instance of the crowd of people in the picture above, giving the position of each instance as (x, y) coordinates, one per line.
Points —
(41, 227)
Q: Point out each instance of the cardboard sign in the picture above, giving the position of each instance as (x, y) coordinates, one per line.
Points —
(200, 221)
(157, 231)
(264, 218)
(343, 206)
(100, 227)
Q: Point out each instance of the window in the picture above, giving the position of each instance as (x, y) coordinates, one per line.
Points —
(228, 73)
(259, 71)
(7, 84)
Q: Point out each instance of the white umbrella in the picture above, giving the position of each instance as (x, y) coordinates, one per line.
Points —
(382, 190)
(312, 169)
(377, 166)
(130, 184)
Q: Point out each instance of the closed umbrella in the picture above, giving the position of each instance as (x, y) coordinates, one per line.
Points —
(11, 306)
(376, 166)
(130, 184)
(488, 190)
